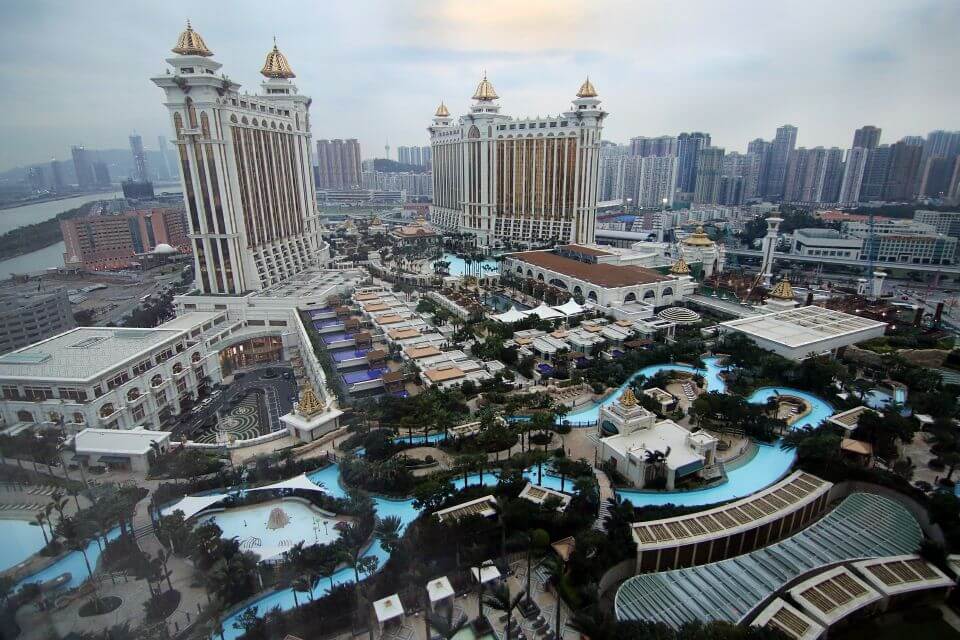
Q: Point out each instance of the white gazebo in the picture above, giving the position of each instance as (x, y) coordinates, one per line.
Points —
(439, 590)
(545, 313)
(511, 315)
(485, 573)
(387, 609)
(571, 308)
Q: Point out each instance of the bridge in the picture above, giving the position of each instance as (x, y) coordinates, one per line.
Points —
(941, 269)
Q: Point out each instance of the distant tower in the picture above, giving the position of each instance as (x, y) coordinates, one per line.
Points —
(769, 246)
(386, 149)
(140, 173)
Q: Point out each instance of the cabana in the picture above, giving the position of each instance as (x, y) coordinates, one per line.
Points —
(511, 315)
(485, 573)
(571, 308)
(544, 312)
(440, 590)
(388, 609)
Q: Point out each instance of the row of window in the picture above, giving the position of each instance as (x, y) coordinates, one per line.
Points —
(533, 125)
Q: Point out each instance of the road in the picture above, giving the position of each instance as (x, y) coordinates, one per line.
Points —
(281, 394)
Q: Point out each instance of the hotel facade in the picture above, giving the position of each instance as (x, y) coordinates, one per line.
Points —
(530, 180)
(245, 164)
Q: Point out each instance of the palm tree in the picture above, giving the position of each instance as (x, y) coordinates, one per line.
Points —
(445, 624)
(555, 569)
(388, 531)
(41, 518)
(499, 599)
(163, 556)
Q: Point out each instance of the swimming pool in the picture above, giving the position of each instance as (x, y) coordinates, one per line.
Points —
(330, 338)
(21, 539)
(348, 354)
(353, 377)
(331, 322)
(71, 563)
(249, 525)
(459, 268)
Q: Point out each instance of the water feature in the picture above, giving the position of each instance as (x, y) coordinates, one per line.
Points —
(22, 539)
(330, 338)
(339, 355)
(72, 563)
(364, 375)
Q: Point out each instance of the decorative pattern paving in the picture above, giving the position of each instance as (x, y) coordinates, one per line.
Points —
(241, 423)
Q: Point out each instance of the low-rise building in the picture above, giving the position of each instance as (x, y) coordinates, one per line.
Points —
(29, 313)
(115, 449)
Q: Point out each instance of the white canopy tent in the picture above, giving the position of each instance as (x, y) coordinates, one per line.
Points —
(485, 573)
(544, 312)
(511, 315)
(297, 482)
(192, 505)
(571, 308)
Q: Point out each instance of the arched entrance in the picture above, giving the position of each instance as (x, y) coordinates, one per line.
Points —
(253, 351)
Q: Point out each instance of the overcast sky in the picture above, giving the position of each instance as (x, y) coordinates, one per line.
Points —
(78, 72)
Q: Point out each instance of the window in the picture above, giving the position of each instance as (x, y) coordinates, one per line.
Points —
(106, 410)
(72, 393)
(11, 392)
(36, 394)
(278, 323)
(133, 394)
(138, 412)
(24, 416)
(119, 380)
(162, 399)
(181, 385)
(78, 418)
(177, 368)
(141, 367)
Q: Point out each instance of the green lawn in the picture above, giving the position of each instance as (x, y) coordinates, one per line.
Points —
(871, 630)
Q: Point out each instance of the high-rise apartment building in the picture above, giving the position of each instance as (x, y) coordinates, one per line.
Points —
(101, 174)
(426, 157)
(866, 137)
(935, 180)
(875, 173)
(746, 167)
(709, 172)
(245, 159)
(814, 175)
(529, 180)
(36, 179)
(657, 182)
(166, 172)
(853, 170)
(903, 174)
(762, 149)
(140, 173)
(112, 241)
(83, 167)
(57, 183)
(832, 176)
(688, 150)
(338, 164)
(651, 147)
(781, 148)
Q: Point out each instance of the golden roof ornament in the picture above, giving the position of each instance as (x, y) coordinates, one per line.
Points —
(680, 267)
(698, 239)
(442, 111)
(310, 405)
(587, 90)
(276, 65)
(191, 44)
(782, 291)
(628, 399)
(485, 91)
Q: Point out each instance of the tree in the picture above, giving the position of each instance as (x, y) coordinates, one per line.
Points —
(555, 570)
(388, 531)
(499, 599)
(445, 624)
(41, 519)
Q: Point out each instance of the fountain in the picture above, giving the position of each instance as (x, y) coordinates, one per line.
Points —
(277, 519)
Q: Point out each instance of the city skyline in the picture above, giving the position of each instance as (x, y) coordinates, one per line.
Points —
(378, 70)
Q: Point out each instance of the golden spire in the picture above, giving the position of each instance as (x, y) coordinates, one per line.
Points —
(783, 291)
(310, 405)
(442, 111)
(587, 89)
(485, 91)
(698, 239)
(627, 399)
(191, 44)
(680, 267)
(276, 65)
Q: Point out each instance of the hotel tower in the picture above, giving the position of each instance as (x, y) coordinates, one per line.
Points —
(245, 164)
(529, 180)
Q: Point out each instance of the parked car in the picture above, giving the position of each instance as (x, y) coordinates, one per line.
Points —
(270, 373)
(239, 374)
(287, 375)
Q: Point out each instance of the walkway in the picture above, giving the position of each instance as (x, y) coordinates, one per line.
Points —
(606, 494)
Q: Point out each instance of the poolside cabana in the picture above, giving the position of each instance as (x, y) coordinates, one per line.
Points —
(571, 308)
(389, 610)
(545, 313)
(509, 316)
(440, 590)
(192, 505)
(486, 573)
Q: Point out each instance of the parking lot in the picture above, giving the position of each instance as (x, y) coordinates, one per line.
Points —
(234, 402)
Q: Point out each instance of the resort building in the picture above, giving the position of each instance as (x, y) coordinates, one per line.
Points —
(598, 276)
(733, 529)
(310, 418)
(245, 163)
(699, 248)
(803, 332)
(418, 233)
(529, 180)
(30, 313)
(644, 449)
(863, 525)
(125, 450)
(485, 507)
(110, 377)
(113, 241)
(788, 620)
(832, 595)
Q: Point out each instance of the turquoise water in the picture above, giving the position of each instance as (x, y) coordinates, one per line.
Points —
(71, 563)
(21, 540)
(458, 267)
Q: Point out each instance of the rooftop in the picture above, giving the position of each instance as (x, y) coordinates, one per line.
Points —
(83, 353)
(123, 442)
(666, 436)
(863, 525)
(792, 622)
(603, 275)
(804, 325)
(892, 576)
(485, 507)
(834, 594)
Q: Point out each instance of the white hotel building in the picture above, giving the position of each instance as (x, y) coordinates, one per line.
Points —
(245, 163)
(528, 180)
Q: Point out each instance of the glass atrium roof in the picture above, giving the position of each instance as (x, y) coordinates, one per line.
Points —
(862, 526)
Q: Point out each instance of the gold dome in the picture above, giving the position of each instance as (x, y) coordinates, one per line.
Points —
(680, 267)
(628, 399)
(587, 89)
(782, 291)
(277, 66)
(442, 111)
(310, 405)
(698, 239)
(191, 44)
(485, 91)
